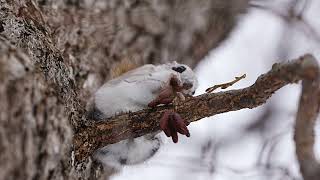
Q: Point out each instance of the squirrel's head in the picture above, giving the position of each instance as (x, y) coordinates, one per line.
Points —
(188, 77)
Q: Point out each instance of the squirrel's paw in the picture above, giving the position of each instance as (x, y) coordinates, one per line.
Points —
(172, 124)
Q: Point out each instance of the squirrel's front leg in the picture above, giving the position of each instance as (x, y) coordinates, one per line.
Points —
(171, 90)
(171, 122)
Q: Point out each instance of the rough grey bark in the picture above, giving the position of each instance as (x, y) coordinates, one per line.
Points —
(55, 53)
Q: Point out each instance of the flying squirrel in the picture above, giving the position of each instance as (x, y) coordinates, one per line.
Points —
(135, 88)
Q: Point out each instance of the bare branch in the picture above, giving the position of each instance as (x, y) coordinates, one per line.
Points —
(305, 121)
(99, 134)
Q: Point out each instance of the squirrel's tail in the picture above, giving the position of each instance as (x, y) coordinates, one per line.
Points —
(122, 67)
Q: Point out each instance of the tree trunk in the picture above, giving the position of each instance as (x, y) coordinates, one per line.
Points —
(55, 53)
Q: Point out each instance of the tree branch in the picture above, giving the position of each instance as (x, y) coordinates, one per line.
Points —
(99, 134)
(306, 116)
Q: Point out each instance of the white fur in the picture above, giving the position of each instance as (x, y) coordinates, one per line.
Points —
(132, 92)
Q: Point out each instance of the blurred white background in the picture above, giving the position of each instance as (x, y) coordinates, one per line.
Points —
(248, 144)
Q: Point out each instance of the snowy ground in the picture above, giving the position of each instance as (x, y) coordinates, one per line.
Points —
(233, 152)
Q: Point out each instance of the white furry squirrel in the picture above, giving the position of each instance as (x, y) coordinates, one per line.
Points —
(137, 89)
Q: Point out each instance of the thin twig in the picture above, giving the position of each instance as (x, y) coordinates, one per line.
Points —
(225, 85)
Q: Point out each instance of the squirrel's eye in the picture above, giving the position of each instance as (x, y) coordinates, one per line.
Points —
(179, 69)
